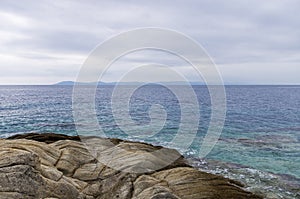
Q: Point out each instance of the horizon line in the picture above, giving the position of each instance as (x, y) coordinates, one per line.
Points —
(172, 84)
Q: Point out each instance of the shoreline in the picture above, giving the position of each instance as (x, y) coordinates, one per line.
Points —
(63, 159)
(253, 180)
(268, 184)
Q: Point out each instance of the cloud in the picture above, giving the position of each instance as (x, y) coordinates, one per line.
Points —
(51, 39)
(258, 73)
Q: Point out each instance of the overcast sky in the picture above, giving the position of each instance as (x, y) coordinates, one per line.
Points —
(251, 42)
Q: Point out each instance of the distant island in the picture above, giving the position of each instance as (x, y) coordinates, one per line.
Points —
(71, 83)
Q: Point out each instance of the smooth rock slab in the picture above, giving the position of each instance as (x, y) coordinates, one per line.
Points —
(63, 168)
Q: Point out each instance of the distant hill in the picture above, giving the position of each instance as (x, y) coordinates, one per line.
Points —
(65, 83)
(71, 83)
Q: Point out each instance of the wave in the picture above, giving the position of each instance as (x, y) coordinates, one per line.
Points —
(268, 184)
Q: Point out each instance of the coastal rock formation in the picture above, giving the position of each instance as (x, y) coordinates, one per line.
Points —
(54, 166)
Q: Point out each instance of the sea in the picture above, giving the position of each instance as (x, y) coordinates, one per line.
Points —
(259, 144)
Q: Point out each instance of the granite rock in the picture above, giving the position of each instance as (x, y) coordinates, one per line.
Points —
(62, 167)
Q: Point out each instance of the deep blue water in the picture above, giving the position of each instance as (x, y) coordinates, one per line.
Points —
(262, 127)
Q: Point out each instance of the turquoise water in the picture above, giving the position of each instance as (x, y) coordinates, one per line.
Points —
(262, 127)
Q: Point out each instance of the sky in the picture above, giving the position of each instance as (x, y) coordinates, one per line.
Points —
(251, 42)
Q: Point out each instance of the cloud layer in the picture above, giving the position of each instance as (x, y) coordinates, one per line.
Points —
(43, 42)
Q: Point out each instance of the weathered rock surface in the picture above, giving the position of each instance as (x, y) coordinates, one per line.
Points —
(32, 166)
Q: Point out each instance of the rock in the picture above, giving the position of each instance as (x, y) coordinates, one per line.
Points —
(62, 168)
(139, 157)
(186, 183)
(45, 137)
(89, 171)
(190, 184)
(51, 172)
(47, 155)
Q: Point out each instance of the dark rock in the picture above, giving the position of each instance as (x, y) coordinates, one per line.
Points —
(44, 137)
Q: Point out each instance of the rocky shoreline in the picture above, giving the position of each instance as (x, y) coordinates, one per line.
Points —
(60, 166)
